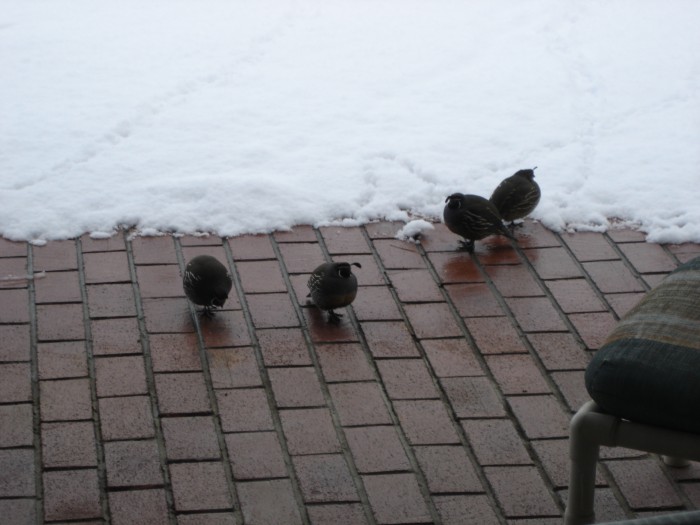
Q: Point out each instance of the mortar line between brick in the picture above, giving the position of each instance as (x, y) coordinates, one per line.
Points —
(150, 382)
(211, 393)
(335, 418)
(97, 428)
(267, 383)
(627, 262)
(36, 393)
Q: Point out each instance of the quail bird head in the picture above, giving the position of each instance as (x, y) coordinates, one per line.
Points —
(516, 196)
(207, 283)
(333, 285)
(472, 217)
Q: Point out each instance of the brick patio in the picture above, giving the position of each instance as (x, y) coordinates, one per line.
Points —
(443, 396)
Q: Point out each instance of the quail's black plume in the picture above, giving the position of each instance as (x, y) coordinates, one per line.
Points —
(516, 196)
(473, 218)
(333, 285)
(207, 283)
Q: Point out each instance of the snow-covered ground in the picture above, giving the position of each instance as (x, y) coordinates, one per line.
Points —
(247, 116)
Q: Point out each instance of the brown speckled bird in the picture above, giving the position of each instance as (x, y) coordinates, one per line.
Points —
(473, 217)
(516, 196)
(207, 283)
(333, 285)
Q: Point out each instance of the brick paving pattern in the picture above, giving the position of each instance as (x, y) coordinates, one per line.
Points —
(443, 396)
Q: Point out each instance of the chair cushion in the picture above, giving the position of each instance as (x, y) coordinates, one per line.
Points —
(648, 369)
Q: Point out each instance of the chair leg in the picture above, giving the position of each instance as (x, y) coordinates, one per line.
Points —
(675, 462)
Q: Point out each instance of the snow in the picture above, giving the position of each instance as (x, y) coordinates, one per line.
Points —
(250, 116)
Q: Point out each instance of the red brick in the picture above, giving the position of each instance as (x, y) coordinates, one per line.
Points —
(575, 295)
(494, 335)
(68, 445)
(269, 502)
(255, 247)
(296, 387)
(593, 328)
(521, 491)
(644, 484)
(132, 463)
(540, 416)
(174, 352)
(383, 229)
(572, 386)
(514, 281)
(58, 287)
(396, 498)
(302, 233)
(227, 328)
(451, 357)
(18, 511)
(692, 491)
(126, 418)
(456, 267)
(255, 455)
(215, 250)
(111, 300)
(15, 382)
(439, 239)
(301, 257)
(13, 273)
(375, 303)
(473, 397)
(162, 280)
(496, 442)
(340, 514)
(16, 473)
(106, 267)
(283, 347)
(15, 342)
(407, 379)
(98, 244)
(465, 510)
(447, 469)
(244, 410)
(154, 250)
(377, 449)
(65, 400)
(344, 362)
(71, 494)
(115, 336)
(370, 274)
(613, 277)
(201, 240)
(536, 314)
(190, 438)
(182, 393)
(344, 240)
(324, 478)
(553, 263)
(626, 235)
(261, 277)
(273, 310)
(590, 246)
(322, 331)
(398, 255)
(167, 315)
(648, 258)
(531, 234)
(17, 425)
(559, 351)
(120, 376)
(10, 248)
(309, 431)
(138, 506)
(14, 306)
(55, 255)
(300, 289)
(554, 457)
(426, 422)
(359, 404)
(654, 279)
(474, 300)
(233, 368)
(415, 286)
(389, 339)
(199, 486)
(431, 320)
(60, 322)
(211, 518)
(517, 374)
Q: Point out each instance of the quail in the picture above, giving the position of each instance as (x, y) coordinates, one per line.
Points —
(207, 283)
(516, 196)
(473, 217)
(333, 285)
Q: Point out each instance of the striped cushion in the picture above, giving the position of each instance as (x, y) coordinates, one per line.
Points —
(648, 370)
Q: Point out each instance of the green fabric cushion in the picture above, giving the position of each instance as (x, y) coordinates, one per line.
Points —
(648, 369)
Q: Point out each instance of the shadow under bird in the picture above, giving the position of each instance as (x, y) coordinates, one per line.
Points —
(207, 283)
(517, 196)
(473, 217)
(333, 285)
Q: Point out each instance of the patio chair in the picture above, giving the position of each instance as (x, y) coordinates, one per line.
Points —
(645, 386)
